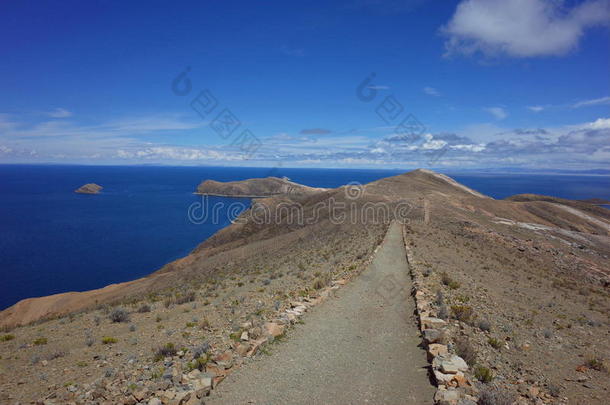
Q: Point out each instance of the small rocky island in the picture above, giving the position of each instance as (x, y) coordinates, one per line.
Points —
(89, 188)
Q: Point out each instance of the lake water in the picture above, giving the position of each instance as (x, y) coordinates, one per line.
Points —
(53, 240)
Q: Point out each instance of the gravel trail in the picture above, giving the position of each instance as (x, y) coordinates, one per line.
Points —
(360, 347)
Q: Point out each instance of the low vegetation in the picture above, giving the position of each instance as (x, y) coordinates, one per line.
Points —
(107, 340)
(495, 343)
(119, 315)
(596, 363)
(462, 313)
(495, 396)
(167, 350)
(483, 374)
(40, 341)
(465, 350)
(449, 282)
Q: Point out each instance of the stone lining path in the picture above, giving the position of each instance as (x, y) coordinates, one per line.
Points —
(358, 348)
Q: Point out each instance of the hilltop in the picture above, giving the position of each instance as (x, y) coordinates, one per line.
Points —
(521, 282)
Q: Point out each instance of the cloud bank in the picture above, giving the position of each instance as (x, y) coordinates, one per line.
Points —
(521, 28)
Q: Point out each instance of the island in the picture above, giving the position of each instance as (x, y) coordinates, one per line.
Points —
(89, 188)
(256, 188)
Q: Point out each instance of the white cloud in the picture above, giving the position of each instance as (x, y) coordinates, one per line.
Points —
(432, 144)
(431, 91)
(5, 149)
(59, 113)
(521, 28)
(589, 103)
(535, 108)
(175, 153)
(123, 127)
(469, 148)
(498, 112)
(372, 87)
(600, 123)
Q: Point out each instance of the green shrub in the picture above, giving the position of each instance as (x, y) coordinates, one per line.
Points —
(495, 343)
(462, 313)
(198, 363)
(107, 340)
(483, 374)
(6, 338)
(157, 373)
(449, 282)
(40, 341)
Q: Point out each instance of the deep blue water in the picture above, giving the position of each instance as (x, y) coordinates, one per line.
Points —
(53, 240)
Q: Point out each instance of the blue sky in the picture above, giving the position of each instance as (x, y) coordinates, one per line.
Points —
(480, 83)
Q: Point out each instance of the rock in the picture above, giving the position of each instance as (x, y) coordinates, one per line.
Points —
(432, 323)
(242, 349)
(273, 329)
(129, 401)
(446, 396)
(154, 401)
(255, 333)
(89, 188)
(244, 336)
(255, 346)
(141, 394)
(461, 380)
(442, 378)
(203, 386)
(432, 335)
(224, 360)
(435, 350)
(449, 365)
(182, 397)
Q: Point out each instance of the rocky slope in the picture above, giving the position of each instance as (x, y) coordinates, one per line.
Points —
(522, 286)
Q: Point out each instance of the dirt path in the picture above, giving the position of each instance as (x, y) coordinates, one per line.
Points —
(360, 347)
